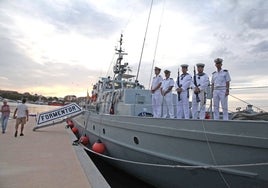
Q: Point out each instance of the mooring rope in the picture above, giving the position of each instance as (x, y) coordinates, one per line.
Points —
(213, 156)
(258, 108)
(174, 166)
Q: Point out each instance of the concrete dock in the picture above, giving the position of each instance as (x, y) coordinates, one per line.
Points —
(45, 158)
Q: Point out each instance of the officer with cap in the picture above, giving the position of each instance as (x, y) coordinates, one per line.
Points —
(166, 91)
(156, 93)
(184, 80)
(200, 85)
(220, 85)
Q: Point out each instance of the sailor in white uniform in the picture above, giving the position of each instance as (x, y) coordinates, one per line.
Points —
(184, 80)
(156, 93)
(166, 91)
(220, 89)
(199, 92)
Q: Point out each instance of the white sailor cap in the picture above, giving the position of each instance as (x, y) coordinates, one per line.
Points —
(166, 71)
(157, 68)
(218, 60)
(200, 65)
(184, 65)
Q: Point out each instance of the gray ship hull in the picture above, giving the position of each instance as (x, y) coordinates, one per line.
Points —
(183, 153)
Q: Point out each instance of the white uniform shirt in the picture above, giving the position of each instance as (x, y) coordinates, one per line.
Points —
(185, 82)
(220, 78)
(156, 80)
(166, 83)
(202, 81)
(21, 110)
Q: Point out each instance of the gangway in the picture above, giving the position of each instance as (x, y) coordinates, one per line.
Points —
(57, 116)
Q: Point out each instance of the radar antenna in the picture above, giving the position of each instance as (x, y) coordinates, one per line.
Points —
(119, 68)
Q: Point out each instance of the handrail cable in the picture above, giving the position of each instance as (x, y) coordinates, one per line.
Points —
(144, 40)
(156, 45)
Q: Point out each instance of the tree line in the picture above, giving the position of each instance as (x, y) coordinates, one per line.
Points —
(14, 95)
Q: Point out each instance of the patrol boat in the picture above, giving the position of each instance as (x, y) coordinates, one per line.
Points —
(168, 152)
(249, 114)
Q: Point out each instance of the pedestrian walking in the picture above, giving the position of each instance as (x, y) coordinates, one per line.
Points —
(5, 115)
(21, 115)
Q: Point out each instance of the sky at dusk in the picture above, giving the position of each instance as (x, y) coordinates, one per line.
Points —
(62, 47)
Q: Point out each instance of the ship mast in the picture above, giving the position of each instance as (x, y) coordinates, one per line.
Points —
(119, 68)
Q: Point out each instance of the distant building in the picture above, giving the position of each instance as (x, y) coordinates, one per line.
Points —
(70, 98)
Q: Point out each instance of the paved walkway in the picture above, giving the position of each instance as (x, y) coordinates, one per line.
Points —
(41, 159)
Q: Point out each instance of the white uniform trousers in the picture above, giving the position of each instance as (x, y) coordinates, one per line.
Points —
(168, 108)
(219, 96)
(183, 106)
(156, 104)
(199, 106)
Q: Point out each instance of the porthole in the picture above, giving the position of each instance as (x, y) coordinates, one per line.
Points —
(136, 140)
